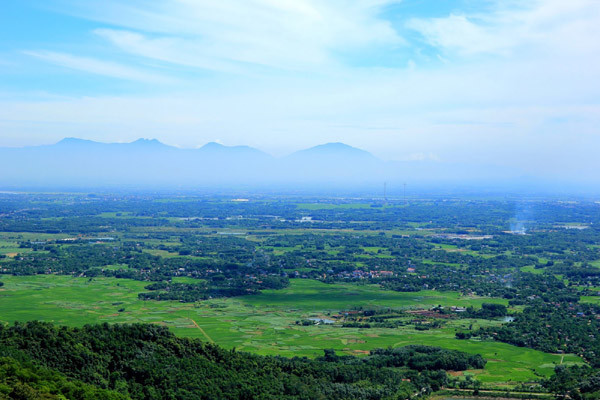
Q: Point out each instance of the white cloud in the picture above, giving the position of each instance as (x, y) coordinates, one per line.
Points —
(517, 86)
(549, 26)
(287, 34)
(459, 33)
(168, 49)
(98, 67)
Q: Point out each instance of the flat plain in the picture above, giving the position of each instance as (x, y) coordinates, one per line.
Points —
(266, 323)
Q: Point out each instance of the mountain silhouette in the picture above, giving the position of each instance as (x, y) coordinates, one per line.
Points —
(79, 163)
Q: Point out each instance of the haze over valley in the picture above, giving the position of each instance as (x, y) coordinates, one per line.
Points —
(147, 163)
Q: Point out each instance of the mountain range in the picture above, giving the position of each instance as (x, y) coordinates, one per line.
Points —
(78, 163)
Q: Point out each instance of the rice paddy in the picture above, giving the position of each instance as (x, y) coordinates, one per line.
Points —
(265, 323)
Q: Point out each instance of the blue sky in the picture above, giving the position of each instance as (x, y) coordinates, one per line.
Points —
(508, 83)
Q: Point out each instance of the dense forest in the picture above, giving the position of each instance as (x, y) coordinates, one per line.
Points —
(149, 362)
(574, 382)
(553, 328)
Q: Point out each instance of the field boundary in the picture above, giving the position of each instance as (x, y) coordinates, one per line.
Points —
(202, 330)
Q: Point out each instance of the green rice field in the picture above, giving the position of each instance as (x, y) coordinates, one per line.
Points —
(265, 323)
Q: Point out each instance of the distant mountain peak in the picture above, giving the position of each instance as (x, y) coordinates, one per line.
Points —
(334, 149)
(74, 141)
(336, 146)
(218, 148)
(213, 145)
(139, 142)
(147, 142)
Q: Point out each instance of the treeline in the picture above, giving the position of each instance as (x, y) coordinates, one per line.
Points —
(574, 382)
(148, 362)
(487, 311)
(552, 328)
(518, 287)
(216, 278)
(422, 358)
(191, 292)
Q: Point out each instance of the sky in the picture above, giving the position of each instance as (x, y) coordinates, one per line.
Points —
(482, 82)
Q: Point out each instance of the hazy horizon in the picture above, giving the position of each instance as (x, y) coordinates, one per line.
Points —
(179, 147)
(491, 86)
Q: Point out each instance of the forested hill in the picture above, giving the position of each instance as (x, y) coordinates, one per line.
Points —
(148, 362)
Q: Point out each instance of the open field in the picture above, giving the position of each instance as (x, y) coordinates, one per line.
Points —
(265, 323)
(9, 248)
(590, 299)
(532, 269)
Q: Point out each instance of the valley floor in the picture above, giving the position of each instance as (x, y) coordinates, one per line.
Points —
(266, 323)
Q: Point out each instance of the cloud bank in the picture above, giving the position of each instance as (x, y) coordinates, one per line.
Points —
(508, 84)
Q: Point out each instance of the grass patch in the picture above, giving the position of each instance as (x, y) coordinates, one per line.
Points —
(265, 323)
(532, 269)
(590, 299)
